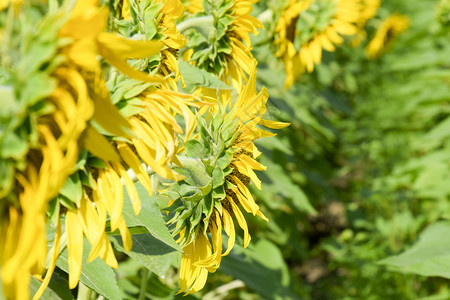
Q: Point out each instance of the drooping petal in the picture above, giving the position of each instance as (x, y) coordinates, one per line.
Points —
(74, 233)
(228, 227)
(52, 265)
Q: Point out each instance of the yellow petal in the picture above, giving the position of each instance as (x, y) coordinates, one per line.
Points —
(213, 261)
(241, 221)
(131, 188)
(126, 236)
(98, 145)
(111, 194)
(274, 124)
(52, 264)
(126, 48)
(130, 158)
(244, 196)
(74, 234)
(228, 226)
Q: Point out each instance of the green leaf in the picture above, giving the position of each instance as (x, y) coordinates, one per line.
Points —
(196, 171)
(13, 146)
(150, 217)
(150, 29)
(218, 177)
(66, 202)
(58, 288)
(196, 76)
(194, 149)
(37, 55)
(53, 211)
(96, 274)
(281, 182)
(138, 88)
(430, 256)
(225, 159)
(73, 189)
(128, 108)
(149, 252)
(150, 9)
(9, 104)
(37, 87)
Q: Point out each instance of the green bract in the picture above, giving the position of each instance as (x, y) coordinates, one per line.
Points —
(211, 44)
(206, 166)
(144, 24)
(316, 18)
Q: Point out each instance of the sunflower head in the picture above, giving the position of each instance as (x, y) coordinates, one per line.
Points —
(219, 165)
(222, 44)
(386, 35)
(305, 27)
(41, 122)
(64, 148)
(153, 20)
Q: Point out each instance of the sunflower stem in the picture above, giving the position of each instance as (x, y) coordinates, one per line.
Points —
(143, 284)
(202, 24)
(84, 292)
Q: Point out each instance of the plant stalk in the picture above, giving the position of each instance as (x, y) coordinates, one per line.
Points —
(144, 281)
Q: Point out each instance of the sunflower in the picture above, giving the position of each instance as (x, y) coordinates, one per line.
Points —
(224, 49)
(307, 26)
(63, 100)
(386, 33)
(157, 23)
(368, 11)
(219, 165)
(46, 113)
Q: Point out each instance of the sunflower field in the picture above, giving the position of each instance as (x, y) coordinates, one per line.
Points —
(224, 149)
